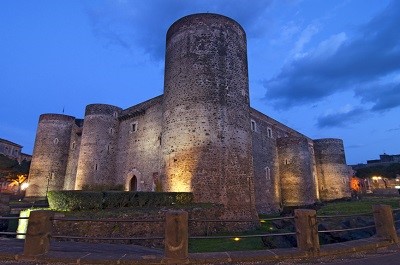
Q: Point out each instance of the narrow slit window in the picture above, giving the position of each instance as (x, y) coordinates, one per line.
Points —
(269, 132)
(267, 173)
(253, 126)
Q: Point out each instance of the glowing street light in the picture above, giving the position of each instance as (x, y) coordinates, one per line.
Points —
(24, 185)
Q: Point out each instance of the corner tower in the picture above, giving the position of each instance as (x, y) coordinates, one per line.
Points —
(332, 171)
(96, 164)
(298, 184)
(50, 154)
(206, 140)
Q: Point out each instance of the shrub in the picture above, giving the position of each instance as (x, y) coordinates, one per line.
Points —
(72, 200)
(116, 199)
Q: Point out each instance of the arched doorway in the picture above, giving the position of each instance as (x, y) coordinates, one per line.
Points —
(133, 184)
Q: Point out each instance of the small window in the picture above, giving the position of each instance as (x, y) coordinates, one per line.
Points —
(286, 162)
(134, 127)
(269, 132)
(115, 114)
(253, 126)
(108, 149)
(55, 141)
(96, 166)
(111, 131)
(73, 146)
(267, 173)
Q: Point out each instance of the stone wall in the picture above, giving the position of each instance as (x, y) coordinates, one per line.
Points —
(98, 148)
(139, 144)
(50, 154)
(73, 157)
(296, 170)
(266, 131)
(266, 169)
(333, 173)
(206, 141)
(111, 229)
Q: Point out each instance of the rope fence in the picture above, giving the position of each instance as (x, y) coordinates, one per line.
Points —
(305, 223)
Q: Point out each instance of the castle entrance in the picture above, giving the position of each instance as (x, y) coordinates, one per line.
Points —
(133, 184)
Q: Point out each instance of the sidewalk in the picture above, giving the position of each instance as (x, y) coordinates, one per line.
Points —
(101, 253)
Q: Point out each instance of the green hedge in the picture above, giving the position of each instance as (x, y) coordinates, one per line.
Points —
(75, 200)
(85, 200)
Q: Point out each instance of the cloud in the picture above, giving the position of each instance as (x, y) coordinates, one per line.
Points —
(396, 129)
(342, 63)
(383, 96)
(143, 24)
(305, 37)
(341, 118)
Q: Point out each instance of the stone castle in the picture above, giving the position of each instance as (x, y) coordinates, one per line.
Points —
(200, 136)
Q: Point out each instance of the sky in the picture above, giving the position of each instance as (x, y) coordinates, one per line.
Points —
(326, 68)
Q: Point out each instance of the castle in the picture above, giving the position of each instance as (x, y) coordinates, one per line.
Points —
(200, 136)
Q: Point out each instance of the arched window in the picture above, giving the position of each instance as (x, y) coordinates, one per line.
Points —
(133, 184)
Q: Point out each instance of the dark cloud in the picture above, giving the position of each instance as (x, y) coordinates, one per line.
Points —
(382, 96)
(143, 24)
(341, 119)
(340, 64)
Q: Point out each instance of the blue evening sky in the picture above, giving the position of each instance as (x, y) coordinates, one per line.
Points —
(327, 68)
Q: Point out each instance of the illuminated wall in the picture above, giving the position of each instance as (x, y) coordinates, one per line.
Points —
(206, 140)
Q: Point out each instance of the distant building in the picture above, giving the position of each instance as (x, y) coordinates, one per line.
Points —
(13, 151)
(384, 160)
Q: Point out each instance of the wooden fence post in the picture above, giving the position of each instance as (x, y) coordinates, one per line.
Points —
(307, 230)
(37, 240)
(176, 237)
(384, 222)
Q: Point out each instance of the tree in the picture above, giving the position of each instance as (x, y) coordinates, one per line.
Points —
(13, 172)
(389, 171)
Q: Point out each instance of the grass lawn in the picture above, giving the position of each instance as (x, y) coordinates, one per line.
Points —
(364, 205)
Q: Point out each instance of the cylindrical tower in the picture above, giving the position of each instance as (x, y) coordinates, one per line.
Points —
(332, 171)
(50, 154)
(96, 163)
(295, 166)
(72, 166)
(206, 140)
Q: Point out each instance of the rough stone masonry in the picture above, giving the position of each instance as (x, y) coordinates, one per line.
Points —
(200, 136)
